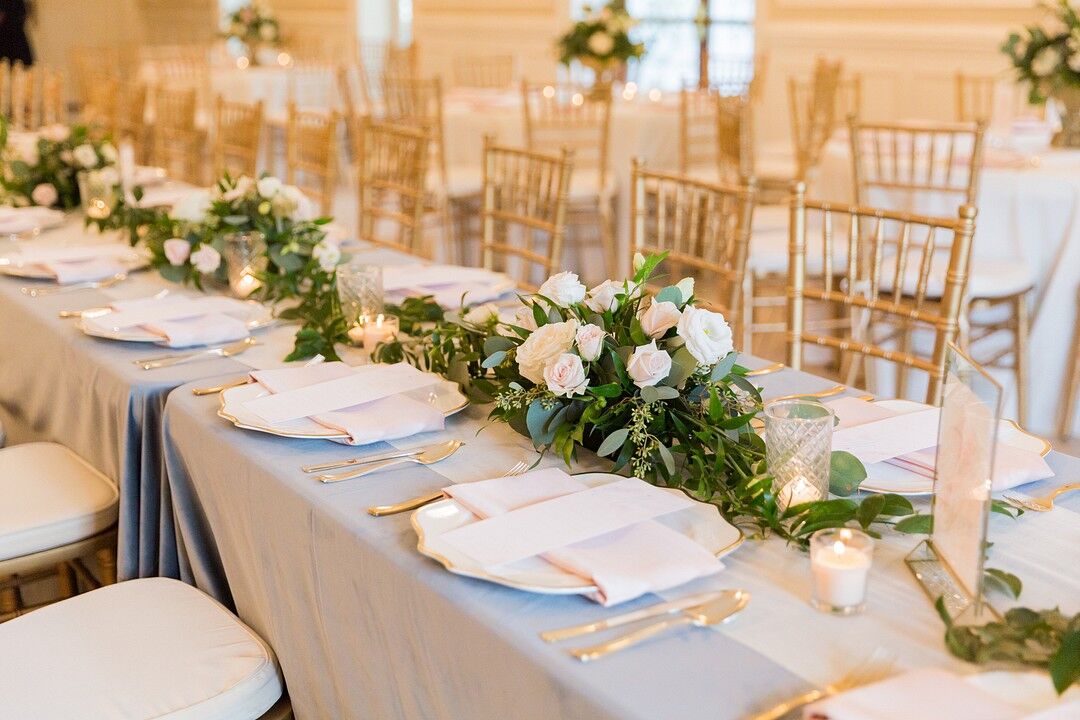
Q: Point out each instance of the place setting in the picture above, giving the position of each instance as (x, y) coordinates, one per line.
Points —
(65, 269)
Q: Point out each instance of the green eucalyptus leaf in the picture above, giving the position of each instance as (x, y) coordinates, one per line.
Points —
(1005, 580)
(613, 442)
(846, 472)
(915, 524)
(496, 343)
(494, 359)
(670, 294)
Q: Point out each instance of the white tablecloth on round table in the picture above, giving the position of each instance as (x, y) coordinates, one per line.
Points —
(1027, 213)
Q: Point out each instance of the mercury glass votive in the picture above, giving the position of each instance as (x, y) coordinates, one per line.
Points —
(245, 258)
(360, 289)
(798, 450)
(840, 560)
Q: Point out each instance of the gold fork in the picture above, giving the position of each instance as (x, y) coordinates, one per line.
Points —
(877, 667)
(1039, 504)
(413, 503)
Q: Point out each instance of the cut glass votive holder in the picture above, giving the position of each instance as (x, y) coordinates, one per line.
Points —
(360, 289)
(798, 450)
(245, 258)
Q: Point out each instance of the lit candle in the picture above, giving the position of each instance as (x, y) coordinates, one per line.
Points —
(356, 335)
(242, 62)
(840, 562)
(383, 328)
(629, 91)
(245, 285)
(655, 95)
(798, 491)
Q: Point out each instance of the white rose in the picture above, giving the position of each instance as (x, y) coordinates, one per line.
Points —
(108, 153)
(706, 333)
(564, 289)
(177, 251)
(543, 346)
(659, 318)
(56, 133)
(639, 261)
(523, 318)
(600, 43)
(304, 209)
(686, 288)
(603, 296)
(268, 186)
(1045, 62)
(590, 341)
(192, 207)
(648, 365)
(85, 156)
(327, 254)
(45, 195)
(565, 376)
(481, 314)
(206, 259)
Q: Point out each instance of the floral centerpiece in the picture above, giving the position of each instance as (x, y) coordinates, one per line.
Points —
(601, 40)
(42, 168)
(1047, 57)
(253, 25)
(187, 245)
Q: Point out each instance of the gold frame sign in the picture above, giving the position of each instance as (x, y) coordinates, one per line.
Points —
(949, 564)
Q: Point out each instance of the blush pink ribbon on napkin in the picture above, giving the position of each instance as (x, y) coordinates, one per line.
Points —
(387, 418)
(624, 564)
(1012, 465)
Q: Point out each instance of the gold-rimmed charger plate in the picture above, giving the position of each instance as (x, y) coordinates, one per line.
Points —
(702, 523)
(444, 394)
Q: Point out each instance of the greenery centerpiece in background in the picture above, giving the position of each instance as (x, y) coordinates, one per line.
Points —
(42, 167)
(187, 245)
(253, 26)
(601, 42)
(1047, 58)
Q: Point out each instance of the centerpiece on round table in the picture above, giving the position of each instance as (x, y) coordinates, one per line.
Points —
(1047, 57)
(43, 167)
(256, 29)
(601, 42)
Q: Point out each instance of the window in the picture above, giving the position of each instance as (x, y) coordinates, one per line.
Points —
(691, 42)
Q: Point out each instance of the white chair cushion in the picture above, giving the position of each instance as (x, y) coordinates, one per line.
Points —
(152, 648)
(769, 240)
(51, 498)
(462, 180)
(987, 278)
(585, 185)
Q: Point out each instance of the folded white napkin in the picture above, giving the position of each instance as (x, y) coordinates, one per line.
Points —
(383, 417)
(17, 220)
(76, 263)
(449, 284)
(918, 694)
(165, 195)
(624, 564)
(886, 433)
(199, 330)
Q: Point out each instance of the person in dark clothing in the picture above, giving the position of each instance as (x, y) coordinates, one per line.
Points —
(14, 44)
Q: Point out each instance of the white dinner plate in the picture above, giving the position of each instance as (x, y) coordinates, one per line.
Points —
(257, 316)
(31, 220)
(702, 523)
(445, 395)
(897, 480)
(134, 259)
(1032, 691)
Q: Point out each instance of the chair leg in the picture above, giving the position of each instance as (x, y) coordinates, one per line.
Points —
(106, 558)
(1021, 330)
(66, 580)
(10, 600)
(1072, 386)
(748, 312)
(607, 235)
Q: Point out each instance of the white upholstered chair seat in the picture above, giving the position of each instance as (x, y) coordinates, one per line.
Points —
(990, 279)
(585, 185)
(51, 498)
(770, 237)
(462, 181)
(151, 648)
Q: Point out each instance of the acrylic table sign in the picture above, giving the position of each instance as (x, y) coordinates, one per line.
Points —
(949, 564)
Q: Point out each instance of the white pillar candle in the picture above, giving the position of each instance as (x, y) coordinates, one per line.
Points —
(840, 561)
(383, 328)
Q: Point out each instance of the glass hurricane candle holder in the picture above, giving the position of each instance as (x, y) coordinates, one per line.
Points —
(840, 560)
(97, 194)
(245, 258)
(798, 450)
(360, 289)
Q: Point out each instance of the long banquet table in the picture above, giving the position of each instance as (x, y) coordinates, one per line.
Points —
(367, 627)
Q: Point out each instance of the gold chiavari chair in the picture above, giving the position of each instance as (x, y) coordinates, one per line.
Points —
(524, 210)
(975, 97)
(90, 62)
(1072, 378)
(484, 71)
(575, 118)
(817, 108)
(52, 97)
(23, 95)
(853, 241)
(703, 227)
(177, 142)
(5, 88)
(401, 61)
(715, 141)
(917, 167)
(237, 132)
(131, 119)
(101, 108)
(311, 154)
(409, 100)
(392, 177)
(740, 77)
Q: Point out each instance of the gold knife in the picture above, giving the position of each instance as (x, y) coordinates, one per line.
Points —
(663, 608)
